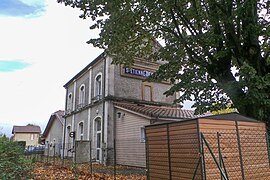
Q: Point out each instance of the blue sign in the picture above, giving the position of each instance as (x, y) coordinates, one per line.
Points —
(138, 72)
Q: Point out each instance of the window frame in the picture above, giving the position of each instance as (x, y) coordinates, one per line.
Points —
(98, 86)
(82, 94)
(142, 134)
(80, 130)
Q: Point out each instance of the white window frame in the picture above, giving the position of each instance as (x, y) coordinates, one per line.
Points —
(32, 137)
(82, 94)
(69, 104)
(97, 94)
(80, 133)
(98, 150)
(142, 134)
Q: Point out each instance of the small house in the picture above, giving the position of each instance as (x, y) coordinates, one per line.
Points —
(30, 134)
(53, 134)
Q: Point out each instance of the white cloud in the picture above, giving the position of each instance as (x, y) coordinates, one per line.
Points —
(54, 45)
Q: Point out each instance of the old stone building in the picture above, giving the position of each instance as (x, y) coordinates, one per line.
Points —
(101, 103)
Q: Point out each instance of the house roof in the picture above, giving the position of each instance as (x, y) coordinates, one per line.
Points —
(26, 129)
(153, 111)
(58, 115)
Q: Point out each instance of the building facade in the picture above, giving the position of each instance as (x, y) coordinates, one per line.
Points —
(53, 134)
(29, 134)
(92, 113)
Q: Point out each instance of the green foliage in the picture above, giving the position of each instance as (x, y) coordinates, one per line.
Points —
(13, 165)
(217, 52)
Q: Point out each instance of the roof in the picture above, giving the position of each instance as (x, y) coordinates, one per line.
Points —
(230, 116)
(234, 116)
(154, 111)
(85, 69)
(58, 115)
(26, 129)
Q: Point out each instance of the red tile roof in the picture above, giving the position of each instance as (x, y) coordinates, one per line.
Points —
(26, 129)
(158, 111)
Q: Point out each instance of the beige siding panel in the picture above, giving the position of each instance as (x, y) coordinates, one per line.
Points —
(130, 150)
(184, 150)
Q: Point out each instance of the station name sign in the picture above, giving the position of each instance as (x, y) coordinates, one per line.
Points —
(137, 72)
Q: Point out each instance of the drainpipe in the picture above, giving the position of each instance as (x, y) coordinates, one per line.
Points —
(64, 129)
(103, 104)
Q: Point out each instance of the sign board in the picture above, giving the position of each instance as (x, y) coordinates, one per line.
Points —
(137, 72)
(72, 134)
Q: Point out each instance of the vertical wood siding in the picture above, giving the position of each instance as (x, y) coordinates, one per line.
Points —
(173, 150)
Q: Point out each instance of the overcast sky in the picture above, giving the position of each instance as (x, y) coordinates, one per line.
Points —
(42, 46)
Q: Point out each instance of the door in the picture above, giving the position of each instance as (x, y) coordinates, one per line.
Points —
(98, 139)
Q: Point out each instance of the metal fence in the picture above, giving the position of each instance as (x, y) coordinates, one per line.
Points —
(125, 159)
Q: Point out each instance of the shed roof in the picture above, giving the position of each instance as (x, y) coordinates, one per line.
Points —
(26, 129)
(155, 111)
(230, 116)
(58, 115)
(234, 116)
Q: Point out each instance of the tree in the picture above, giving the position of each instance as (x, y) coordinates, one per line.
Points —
(217, 51)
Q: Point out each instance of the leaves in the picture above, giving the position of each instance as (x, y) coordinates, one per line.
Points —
(217, 52)
(13, 164)
(80, 171)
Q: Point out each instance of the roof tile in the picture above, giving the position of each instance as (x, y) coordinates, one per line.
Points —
(158, 111)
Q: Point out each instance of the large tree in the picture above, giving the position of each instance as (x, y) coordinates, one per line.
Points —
(217, 51)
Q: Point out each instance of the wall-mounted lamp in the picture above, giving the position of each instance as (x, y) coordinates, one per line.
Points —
(120, 115)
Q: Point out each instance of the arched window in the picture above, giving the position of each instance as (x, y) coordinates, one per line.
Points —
(82, 95)
(69, 102)
(98, 88)
(80, 130)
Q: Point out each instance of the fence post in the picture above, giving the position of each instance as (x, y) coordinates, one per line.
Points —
(219, 153)
(147, 156)
(91, 163)
(268, 147)
(203, 158)
(240, 150)
(53, 154)
(114, 158)
(48, 151)
(169, 152)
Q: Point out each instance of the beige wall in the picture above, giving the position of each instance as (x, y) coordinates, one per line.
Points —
(27, 138)
(130, 149)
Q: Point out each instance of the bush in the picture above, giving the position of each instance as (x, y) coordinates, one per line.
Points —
(13, 164)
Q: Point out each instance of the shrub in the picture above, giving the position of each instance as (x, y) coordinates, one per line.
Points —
(13, 164)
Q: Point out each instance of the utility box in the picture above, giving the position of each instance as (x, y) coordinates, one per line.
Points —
(226, 146)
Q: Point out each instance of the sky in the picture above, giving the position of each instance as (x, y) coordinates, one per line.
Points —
(42, 46)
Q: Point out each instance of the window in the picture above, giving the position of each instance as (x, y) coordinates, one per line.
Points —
(98, 84)
(32, 137)
(147, 93)
(69, 104)
(142, 134)
(82, 95)
(80, 130)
